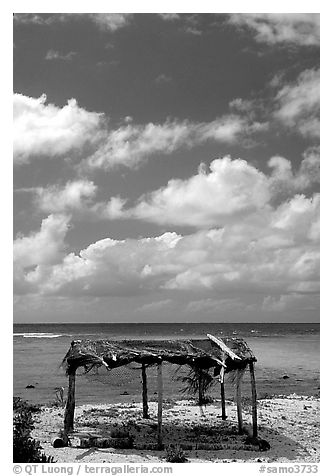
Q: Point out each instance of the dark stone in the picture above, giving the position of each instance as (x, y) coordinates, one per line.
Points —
(125, 393)
(249, 440)
(264, 445)
(285, 377)
(58, 443)
(30, 386)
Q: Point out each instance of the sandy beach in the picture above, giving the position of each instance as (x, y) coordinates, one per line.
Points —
(289, 423)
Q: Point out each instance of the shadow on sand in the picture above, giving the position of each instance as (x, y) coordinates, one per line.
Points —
(201, 440)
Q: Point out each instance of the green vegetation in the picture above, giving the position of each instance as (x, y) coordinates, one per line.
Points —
(25, 448)
(175, 454)
(198, 382)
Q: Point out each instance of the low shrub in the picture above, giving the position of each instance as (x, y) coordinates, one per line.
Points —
(175, 454)
(25, 448)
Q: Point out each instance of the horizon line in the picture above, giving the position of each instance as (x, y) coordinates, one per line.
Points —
(174, 322)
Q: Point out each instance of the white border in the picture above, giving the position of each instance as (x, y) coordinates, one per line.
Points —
(171, 6)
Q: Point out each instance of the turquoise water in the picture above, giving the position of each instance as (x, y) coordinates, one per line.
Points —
(281, 349)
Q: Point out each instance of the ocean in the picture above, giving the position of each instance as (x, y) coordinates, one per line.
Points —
(287, 355)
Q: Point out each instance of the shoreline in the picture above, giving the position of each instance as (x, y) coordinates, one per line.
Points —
(290, 423)
(96, 393)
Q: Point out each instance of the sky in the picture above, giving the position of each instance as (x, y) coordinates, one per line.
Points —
(166, 167)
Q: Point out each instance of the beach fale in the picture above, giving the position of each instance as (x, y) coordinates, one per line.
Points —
(223, 355)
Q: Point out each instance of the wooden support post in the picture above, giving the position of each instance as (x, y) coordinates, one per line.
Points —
(145, 413)
(70, 404)
(239, 400)
(224, 415)
(254, 401)
(159, 408)
(200, 385)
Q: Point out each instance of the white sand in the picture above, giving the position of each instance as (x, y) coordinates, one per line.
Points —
(289, 424)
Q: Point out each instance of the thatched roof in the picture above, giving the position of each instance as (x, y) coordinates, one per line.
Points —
(230, 352)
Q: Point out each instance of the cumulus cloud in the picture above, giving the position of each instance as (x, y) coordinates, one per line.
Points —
(273, 253)
(45, 246)
(104, 21)
(309, 172)
(301, 29)
(285, 182)
(42, 129)
(113, 209)
(75, 195)
(45, 129)
(297, 104)
(206, 199)
(131, 144)
(226, 191)
(243, 105)
(292, 105)
(42, 248)
(91, 272)
(110, 21)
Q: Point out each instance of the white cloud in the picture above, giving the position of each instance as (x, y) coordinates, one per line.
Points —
(76, 195)
(273, 252)
(223, 192)
(243, 105)
(207, 199)
(113, 209)
(132, 144)
(104, 21)
(309, 172)
(273, 28)
(190, 22)
(26, 18)
(45, 246)
(42, 129)
(45, 129)
(104, 268)
(229, 190)
(169, 16)
(297, 104)
(77, 198)
(53, 55)
(110, 21)
(284, 182)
